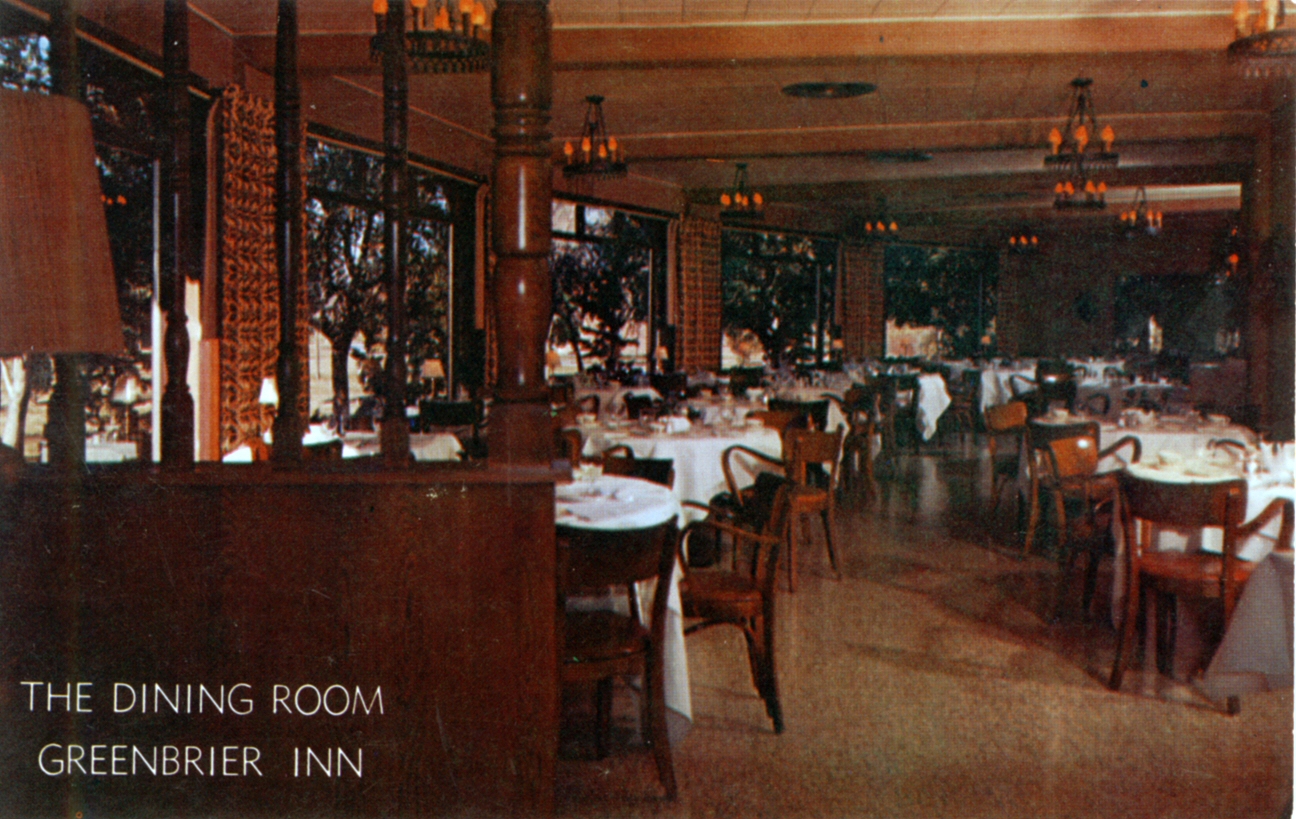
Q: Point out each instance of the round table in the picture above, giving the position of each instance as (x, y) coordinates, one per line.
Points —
(612, 502)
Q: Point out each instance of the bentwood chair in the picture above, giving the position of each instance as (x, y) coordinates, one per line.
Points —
(858, 406)
(742, 595)
(810, 462)
(1074, 478)
(598, 646)
(1146, 507)
(621, 460)
(1005, 423)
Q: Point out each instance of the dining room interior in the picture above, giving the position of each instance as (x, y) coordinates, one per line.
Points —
(647, 408)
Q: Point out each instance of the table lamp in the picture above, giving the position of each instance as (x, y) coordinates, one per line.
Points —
(269, 398)
(434, 371)
(58, 294)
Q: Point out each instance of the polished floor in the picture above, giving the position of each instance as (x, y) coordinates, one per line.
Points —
(933, 680)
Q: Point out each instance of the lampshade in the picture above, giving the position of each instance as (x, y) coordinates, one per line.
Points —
(126, 389)
(57, 289)
(433, 368)
(269, 392)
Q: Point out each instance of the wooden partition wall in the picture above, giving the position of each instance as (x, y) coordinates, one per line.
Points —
(244, 641)
(302, 639)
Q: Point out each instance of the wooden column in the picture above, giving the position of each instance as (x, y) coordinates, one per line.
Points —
(65, 428)
(395, 427)
(288, 234)
(177, 402)
(521, 93)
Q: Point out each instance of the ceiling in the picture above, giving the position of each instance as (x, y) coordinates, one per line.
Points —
(969, 88)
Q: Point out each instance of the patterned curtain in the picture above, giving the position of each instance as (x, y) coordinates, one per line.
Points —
(248, 277)
(862, 301)
(699, 294)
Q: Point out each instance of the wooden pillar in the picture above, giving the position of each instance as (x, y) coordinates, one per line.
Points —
(521, 93)
(395, 427)
(288, 234)
(65, 428)
(177, 402)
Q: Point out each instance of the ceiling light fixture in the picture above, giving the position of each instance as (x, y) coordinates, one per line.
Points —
(1138, 219)
(829, 90)
(599, 154)
(454, 43)
(1263, 48)
(738, 202)
(1072, 153)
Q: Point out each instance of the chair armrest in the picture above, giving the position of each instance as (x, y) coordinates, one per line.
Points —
(1276, 507)
(1126, 440)
(745, 450)
(729, 528)
(692, 504)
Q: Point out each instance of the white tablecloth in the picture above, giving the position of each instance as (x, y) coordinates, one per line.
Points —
(995, 389)
(699, 475)
(933, 400)
(1256, 652)
(613, 502)
(430, 446)
(1262, 489)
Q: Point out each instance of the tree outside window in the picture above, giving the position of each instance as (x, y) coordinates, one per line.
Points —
(778, 292)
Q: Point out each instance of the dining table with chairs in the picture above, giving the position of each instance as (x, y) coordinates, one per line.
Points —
(613, 503)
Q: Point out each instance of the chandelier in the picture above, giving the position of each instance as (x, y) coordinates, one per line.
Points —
(881, 227)
(454, 43)
(599, 154)
(1023, 242)
(1138, 219)
(738, 202)
(1076, 155)
(1262, 47)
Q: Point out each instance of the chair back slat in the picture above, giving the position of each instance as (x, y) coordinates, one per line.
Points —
(591, 560)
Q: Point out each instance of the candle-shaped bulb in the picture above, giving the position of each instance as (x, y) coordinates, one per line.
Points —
(478, 15)
(1081, 137)
(1055, 139)
(1108, 137)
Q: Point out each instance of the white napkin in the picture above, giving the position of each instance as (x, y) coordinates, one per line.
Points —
(676, 424)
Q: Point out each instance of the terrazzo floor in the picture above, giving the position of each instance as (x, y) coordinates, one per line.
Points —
(932, 680)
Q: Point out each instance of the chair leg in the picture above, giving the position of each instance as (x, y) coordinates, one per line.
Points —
(1090, 582)
(1032, 522)
(1167, 623)
(656, 729)
(1125, 640)
(602, 716)
(828, 521)
(760, 652)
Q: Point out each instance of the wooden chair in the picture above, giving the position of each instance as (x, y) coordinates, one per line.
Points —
(965, 400)
(641, 406)
(743, 595)
(1075, 477)
(1005, 421)
(1055, 380)
(588, 404)
(1045, 481)
(858, 406)
(813, 490)
(1072, 475)
(815, 411)
(598, 646)
(1149, 505)
(568, 444)
(621, 460)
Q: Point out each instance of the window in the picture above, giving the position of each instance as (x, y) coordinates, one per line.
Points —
(940, 301)
(348, 301)
(778, 299)
(608, 277)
